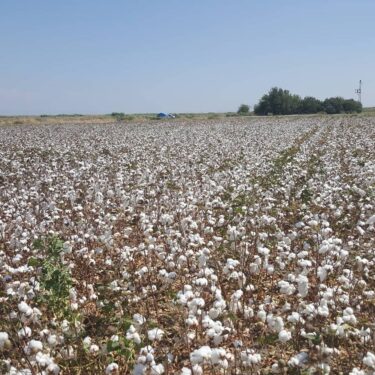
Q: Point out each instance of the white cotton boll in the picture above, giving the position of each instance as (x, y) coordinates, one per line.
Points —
(155, 334)
(35, 346)
(139, 369)
(200, 355)
(249, 358)
(299, 359)
(248, 312)
(138, 319)
(313, 223)
(53, 368)
(262, 315)
(86, 341)
(263, 251)
(237, 295)
(369, 360)
(190, 336)
(357, 371)
(277, 324)
(284, 336)
(65, 326)
(24, 308)
(286, 287)
(303, 285)
(322, 273)
(323, 309)
(52, 340)
(150, 358)
(218, 356)
(132, 334)
(94, 349)
(360, 230)
(324, 368)
(24, 332)
(275, 369)
(185, 371)
(43, 360)
(201, 281)
(191, 321)
(4, 339)
(111, 368)
(197, 370)
(349, 317)
(294, 317)
(157, 369)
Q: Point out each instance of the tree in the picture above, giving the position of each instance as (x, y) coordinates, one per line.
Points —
(278, 102)
(334, 105)
(281, 102)
(243, 109)
(351, 106)
(310, 104)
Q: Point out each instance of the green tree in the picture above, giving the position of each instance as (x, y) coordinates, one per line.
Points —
(243, 109)
(334, 105)
(351, 106)
(278, 102)
(310, 104)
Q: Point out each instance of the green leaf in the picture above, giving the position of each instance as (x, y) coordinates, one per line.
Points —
(34, 262)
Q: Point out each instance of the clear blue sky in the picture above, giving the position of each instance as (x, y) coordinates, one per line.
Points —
(99, 56)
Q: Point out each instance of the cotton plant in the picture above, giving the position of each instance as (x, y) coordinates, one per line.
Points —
(198, 239)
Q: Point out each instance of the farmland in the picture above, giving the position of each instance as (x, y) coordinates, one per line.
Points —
(223, 246)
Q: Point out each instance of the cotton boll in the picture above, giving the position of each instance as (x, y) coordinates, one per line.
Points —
(369, 360)
(132, 334)
(157, 369)
(94, 349)
(155, 334)
(191, 321)
(303, 285)
(138, 319)
(294, 317)
(200, 355)
(284, 336)
(4, 340)
(87, 341)
(24, 332)
(197, 370)
(262, 315)
(299, 359)
(185, 371)
(357, 371)
(53, 368)
(34, 346)
(112, 368)
(349, 317)
(25, 309)
(286, 287)
(249, 358)
(248, 312)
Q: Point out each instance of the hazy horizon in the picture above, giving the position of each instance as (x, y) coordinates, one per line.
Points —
(98, 57)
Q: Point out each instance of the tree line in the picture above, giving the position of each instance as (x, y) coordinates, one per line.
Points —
(281, 102)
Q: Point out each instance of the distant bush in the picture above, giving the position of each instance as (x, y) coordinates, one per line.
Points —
(244, 109)
(119, 116)
(351, 106)
(282, 102)
(212, 116)
(278, 102)
(310, 104)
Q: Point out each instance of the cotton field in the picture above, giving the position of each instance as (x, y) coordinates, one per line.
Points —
(227, 246)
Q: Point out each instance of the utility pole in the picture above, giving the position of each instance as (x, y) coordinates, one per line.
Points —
(359, 91)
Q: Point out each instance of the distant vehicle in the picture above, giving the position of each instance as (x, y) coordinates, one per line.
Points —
(165, 115)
